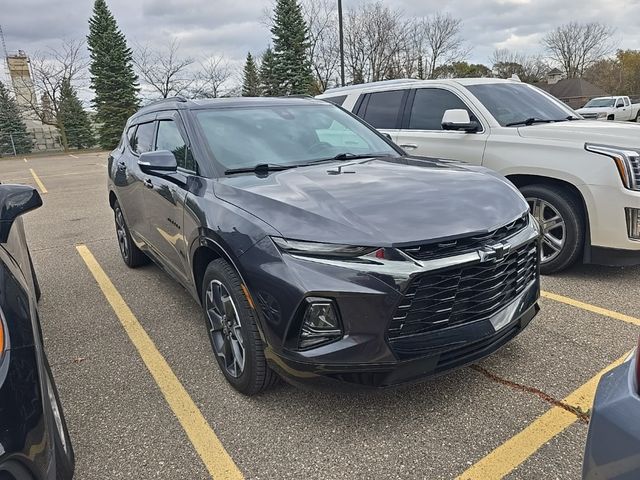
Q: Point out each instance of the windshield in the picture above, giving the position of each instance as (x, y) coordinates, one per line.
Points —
(515, 102)
(601, 102)
(244, 137)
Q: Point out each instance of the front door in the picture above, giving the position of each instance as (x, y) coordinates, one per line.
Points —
(165, 197)
(422, 134)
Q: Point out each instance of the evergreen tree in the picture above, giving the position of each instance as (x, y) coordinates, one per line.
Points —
(13, 132)
(268, 82)
(251, 79)
(112, 77)
(73, 118)
(291, 46)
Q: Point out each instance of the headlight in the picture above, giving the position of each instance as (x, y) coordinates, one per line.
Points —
(627, 162)
(315, 249)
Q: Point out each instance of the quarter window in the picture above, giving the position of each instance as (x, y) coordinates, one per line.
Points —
(383, 109)
(170, 138)
(339, 100)
(131, 136)
(429, 106)
(143, 138)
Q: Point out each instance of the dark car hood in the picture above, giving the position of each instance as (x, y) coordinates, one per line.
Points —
(378, 202)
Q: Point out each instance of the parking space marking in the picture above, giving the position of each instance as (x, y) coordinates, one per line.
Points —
(41, 186)
(25, 160)
(591, 308)
(73, 156)
(512, 453)
(215, 458)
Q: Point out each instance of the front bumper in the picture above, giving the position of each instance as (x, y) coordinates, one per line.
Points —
(613, 443)
(372, 352)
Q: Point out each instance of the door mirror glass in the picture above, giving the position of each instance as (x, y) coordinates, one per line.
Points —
(458, 119)
(158, 161)
(14, 201)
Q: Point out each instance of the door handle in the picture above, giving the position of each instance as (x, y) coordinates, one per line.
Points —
(148, 183)
(409, 146)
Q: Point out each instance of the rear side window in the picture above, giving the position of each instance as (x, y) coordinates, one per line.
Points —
(170, 138)
(383, 108)
(339, 100)
(429, 106)
(143, 138)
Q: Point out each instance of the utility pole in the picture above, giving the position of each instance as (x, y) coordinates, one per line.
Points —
(341, 42)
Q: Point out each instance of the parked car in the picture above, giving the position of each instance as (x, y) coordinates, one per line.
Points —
(581, 178)
(611, 108)
(613, 442)
(34, 442)
(317, 249)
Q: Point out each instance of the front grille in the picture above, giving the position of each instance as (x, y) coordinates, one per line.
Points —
(466, 244)
(590, 115)
(434, 301)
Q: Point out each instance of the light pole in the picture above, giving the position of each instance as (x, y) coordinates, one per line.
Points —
(341, 42)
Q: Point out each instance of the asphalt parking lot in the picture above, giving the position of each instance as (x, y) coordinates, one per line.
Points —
(144, 398)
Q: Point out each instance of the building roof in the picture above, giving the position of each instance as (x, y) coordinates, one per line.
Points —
(572, 88)
(555, 71)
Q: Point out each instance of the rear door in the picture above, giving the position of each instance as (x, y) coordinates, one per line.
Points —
(383, 110)
(422, 133)
(165, 196)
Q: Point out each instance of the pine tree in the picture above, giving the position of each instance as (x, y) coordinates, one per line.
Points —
(13, 132)
(268, 82)
(73, 118)
(291, 46)
(251, 79)
(112, 77)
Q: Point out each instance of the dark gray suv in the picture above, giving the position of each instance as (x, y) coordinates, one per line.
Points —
(318, 250)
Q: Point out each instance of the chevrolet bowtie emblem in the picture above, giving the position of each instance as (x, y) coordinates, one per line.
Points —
(494, 253)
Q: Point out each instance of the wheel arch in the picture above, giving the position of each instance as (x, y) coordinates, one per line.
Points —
(112, 199)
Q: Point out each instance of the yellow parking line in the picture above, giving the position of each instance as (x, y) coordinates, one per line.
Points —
(73, 156)
(38, 181)
(508, 456)
(591, 308)
(215, 458)
(25, 160)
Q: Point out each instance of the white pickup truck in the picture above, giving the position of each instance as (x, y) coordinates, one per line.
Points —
(611, 108)
(580, 177)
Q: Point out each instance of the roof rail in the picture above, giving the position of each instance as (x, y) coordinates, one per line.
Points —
(371, 84)
(177, 98)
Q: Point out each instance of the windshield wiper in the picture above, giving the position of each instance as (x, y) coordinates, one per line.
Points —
(348, 156)
(259, 168)
(529, 121)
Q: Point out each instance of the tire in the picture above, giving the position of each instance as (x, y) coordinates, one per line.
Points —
(234, 335)
(131, 254)
(548, 202)
(638, 117)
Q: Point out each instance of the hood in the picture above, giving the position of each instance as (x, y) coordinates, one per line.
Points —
(618, 134)
(594, 110)
(377, 202)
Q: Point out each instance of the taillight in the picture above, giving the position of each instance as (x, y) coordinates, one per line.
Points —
(2, 335)
(638, 367)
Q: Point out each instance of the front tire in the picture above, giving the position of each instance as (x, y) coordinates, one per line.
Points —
(563, 228)
(131, 254)
(233, 330)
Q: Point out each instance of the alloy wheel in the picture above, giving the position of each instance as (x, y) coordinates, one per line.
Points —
(123, 241)
(554, 233)
(225, 328)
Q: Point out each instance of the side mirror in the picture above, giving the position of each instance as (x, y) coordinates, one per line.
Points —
(620, 105)
(158, 161)
(14, 201)
(458, 119)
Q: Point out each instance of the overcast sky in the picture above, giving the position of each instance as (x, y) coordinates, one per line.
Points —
(233, 27)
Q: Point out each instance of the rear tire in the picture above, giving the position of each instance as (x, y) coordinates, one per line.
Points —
(233, 330)
(131, 254)
(561, 219)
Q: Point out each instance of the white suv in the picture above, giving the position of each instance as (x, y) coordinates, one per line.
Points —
(580, 177)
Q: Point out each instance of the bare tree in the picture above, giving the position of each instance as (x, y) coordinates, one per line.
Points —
(50, 70)
(576, 46)
(322, 21)
(214, 72)
(441, 41)
(164, 70)
(529, 68)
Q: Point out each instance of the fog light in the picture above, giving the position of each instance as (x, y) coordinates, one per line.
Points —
(320, 324)
(633, 223)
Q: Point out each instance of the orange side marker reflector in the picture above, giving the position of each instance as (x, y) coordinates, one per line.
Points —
(246, 294)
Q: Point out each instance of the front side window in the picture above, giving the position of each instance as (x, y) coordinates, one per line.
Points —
(286, 135)
(383, 108)
(169, 138)
(429, 106)
(513, 103)
(143, 138)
